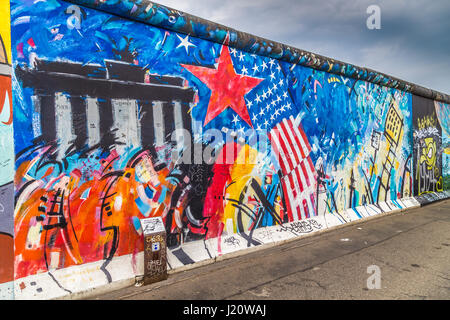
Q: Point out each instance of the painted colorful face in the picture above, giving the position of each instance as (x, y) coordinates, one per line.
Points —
(429, 153)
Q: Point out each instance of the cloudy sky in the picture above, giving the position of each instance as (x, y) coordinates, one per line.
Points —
(413, 43)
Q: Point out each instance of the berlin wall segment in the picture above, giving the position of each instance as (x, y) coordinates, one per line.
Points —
(117, 120)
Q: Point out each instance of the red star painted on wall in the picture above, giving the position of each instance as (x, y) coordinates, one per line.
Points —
(227, 87)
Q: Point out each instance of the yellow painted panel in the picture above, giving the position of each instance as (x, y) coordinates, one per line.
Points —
(5, 30)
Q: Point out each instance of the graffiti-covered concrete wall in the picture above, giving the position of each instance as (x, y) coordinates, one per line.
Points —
(119, 116)
(6, 158)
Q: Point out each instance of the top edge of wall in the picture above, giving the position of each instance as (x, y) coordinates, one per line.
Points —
(152, 13)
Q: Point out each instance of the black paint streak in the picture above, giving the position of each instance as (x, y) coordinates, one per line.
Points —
(57, 283)
(182, 256)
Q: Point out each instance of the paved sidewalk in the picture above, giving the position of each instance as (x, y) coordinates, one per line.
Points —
(411, 249)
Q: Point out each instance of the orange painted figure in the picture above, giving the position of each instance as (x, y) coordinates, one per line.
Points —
(64, 222)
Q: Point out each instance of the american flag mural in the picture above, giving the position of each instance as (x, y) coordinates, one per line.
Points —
(292, 149)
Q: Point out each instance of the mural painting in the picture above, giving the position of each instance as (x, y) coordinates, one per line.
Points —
(116, 121)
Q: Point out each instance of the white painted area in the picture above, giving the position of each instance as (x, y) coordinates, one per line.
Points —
(373, 209)
(152, 225)
(58, 283)
(231, 243)
(351, 214)
(263, 235)
(400, 202)
(278, 233)
(179, 135)
(54, 260)
(295, 229)
(7, 291)
(328, 220)
(118, 203)
(368, 211)
(410, 202)
(93, 118)
(196, 250)
(5, 114)
(212, 246)
(393, 206)
(36, 116)
(158, 120)
(386, 207)
(126, 124)
(63, 120)
(322, 203)
(229, 226)
(178, 115)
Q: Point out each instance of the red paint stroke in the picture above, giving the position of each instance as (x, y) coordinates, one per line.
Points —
(31, 43)
(5, 89)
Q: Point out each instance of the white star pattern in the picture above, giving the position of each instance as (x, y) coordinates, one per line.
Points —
(185, 43)
(269, 102)
(264, 66)
(264, 95)
(235, 119)
(272, 76)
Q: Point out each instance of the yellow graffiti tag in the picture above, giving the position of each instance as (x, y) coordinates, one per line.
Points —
(426, 122)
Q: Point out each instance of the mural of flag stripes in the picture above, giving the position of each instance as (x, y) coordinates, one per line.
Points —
(298, 181)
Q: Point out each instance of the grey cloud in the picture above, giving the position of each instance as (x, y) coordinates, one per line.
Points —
(413, 43)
